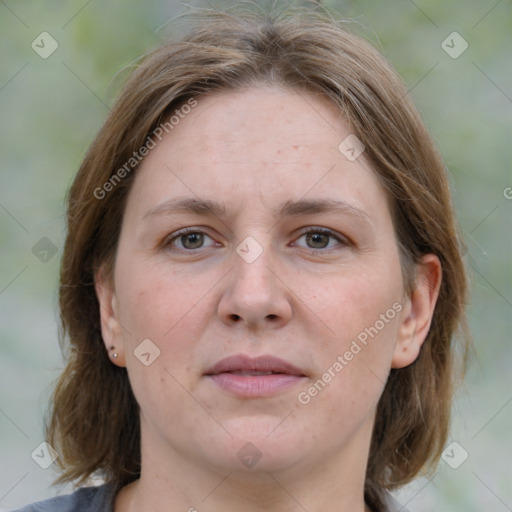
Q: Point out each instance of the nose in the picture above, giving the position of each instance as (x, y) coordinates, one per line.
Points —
(255, 296)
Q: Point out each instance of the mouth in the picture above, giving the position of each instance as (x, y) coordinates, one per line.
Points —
(248, 377)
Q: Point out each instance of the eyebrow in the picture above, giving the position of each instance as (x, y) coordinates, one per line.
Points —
(207, 207)
(311, 206)
(187, 205)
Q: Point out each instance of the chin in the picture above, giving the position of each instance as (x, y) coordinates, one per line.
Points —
(258, 444)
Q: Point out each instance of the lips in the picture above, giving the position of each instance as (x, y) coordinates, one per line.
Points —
(247, 377)
(262, 365)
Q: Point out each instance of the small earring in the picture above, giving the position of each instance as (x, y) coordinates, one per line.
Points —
(114, 355)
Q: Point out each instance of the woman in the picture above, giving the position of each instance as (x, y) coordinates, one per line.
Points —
(261, 281)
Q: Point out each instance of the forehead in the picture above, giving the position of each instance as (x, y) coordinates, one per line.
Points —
(255, 149)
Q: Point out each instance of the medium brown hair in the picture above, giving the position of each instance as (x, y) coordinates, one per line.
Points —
(94, 422)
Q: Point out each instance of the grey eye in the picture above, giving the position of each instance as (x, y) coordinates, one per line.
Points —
(192, 240)
(320, 239)
(317, 240)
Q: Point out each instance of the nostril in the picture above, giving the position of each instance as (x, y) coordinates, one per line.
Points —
(235, 317)
(272, 317)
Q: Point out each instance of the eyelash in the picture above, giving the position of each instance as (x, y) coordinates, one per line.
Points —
(342, 241)
(183, 232)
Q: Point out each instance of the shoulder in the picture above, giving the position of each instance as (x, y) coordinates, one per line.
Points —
(86, 499)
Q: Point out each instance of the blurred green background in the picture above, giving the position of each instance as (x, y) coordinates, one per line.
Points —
(52, 107)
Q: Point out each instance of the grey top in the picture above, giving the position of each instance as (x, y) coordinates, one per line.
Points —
(101, 499)
(86, 499)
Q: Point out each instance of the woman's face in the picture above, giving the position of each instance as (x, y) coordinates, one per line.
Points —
(249, 232)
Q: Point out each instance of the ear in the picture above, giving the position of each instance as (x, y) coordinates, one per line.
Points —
(418, 312)
(110, 328)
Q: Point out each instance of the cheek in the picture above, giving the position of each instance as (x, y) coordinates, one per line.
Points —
(172, 310)
(155, 301)
(354, 373)
(363, 312)
(157, 305)
(164, 401)
(356, 302)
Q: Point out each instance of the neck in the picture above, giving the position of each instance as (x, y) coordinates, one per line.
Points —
(230, 493)
(177, 482)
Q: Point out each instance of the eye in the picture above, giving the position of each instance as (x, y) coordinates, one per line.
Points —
(322, 238)
(188, 240)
